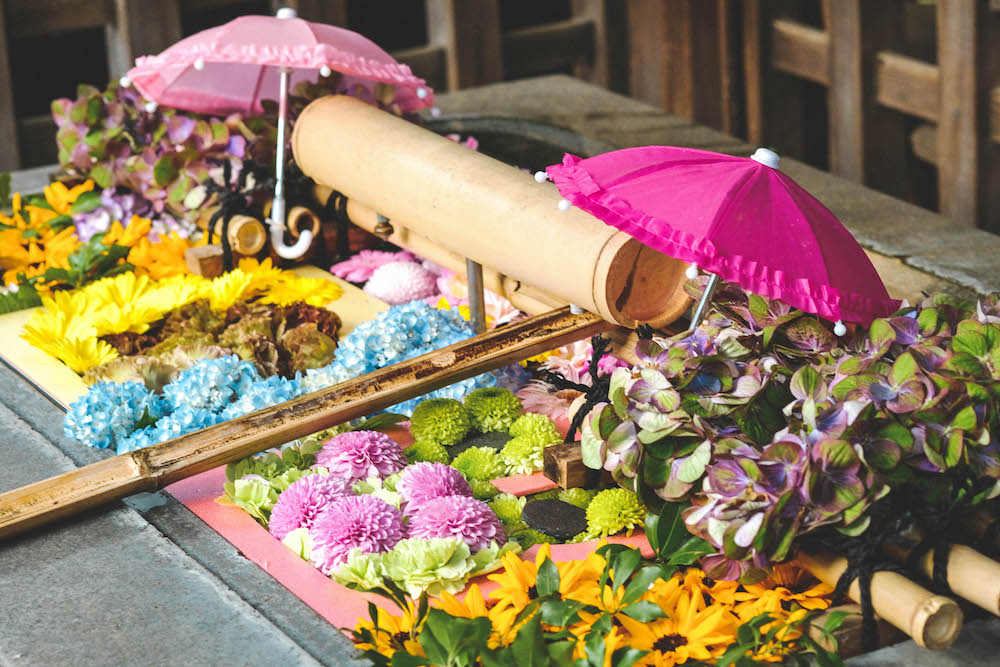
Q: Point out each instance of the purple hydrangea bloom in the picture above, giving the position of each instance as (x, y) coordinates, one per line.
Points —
(468, 519)
(303, 502)
(353, 522)
(422, 482)
(360, 455)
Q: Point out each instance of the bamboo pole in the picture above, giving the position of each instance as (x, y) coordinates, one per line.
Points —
(156, 466)
(933, 621)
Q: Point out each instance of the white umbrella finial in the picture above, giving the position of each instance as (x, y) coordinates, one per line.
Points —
(766, 157)
(839, 329)
(286, 13)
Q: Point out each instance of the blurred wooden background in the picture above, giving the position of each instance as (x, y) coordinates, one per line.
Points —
(903, 95)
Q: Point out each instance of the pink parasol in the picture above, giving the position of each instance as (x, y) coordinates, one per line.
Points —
(740, 219)
(231, 68)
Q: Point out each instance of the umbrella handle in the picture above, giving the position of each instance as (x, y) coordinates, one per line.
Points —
(284, 250)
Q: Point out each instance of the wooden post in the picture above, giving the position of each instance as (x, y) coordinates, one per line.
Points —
(610, 62)
(156, 466)
(10, 158)
(469, 32)
(965, 172)
(868, 144)
(141, 28)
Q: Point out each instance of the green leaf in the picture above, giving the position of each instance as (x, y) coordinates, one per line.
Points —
(642, 580)
(668, 531)
(547, 581)
(86, 202)
(644, 611)
(4, 190)
(624, 564)
(627, 656)
(404, 659)
(689, 552)
(528, 646)
(164, 171)
(560, 613)
(379, 422)
(560, 653)
(971, 343)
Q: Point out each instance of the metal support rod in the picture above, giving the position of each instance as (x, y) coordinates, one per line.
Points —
(477, 298)
(278, 205)
(706, 297)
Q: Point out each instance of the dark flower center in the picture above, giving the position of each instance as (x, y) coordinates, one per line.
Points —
(532, 592)
(398, 640)
(668, 643)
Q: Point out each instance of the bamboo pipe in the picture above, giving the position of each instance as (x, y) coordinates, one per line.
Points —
(970, 574)
(975, 525)
(302, 219)
(490, 212)
(849, 636)
(524, 297)
(933, 621)
(247, 235)
(156, 466)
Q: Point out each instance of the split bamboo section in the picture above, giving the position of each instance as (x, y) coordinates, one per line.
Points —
(480, 208)
(156, 466)
(933, 621)
(247, 235)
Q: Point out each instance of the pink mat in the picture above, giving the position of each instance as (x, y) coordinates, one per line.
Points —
(340, 606)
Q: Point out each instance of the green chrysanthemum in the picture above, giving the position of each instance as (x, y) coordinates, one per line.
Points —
(482, 463)
(545, 495)
(585, 536)
(523, 455)
(483, 489)
(579, 497)
(493, 409)
(427, 450)
(530, 537)
(508, 508)
(614, 510)
(441, 420)
(536, 427)
(515, 528)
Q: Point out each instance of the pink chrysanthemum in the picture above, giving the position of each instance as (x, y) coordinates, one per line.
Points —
(422, 482)
(401, 282)
(303, 502)
(361, 454)
(363, 522)
(359, 268)
(466, 518)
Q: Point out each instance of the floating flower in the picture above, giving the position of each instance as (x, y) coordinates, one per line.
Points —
(483, 489)
(441, 420)
(354, 522)
(262, 394)
(508, 508)
(523, 455)
(457, 516)
(211, 384)
(577, 496)
(430, 451)
(537, 428)
(401, 282)
(614, 510)
(544, 399)
(108, 413)
(528, 537)
(360, 454)
(432, 565)
(359, 268)
(479, 463)
(303, 502)
(422, 482)
(492, 409)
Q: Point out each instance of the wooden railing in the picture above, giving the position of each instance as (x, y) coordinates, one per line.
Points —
(466, 46)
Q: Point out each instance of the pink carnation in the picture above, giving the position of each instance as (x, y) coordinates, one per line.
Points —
(361, 454)
(401, 282)
(354, 522)
(425, 481)
(359, 268)
(303, 502)
(466, 518)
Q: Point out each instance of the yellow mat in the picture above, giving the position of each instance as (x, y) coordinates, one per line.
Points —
(63, 386)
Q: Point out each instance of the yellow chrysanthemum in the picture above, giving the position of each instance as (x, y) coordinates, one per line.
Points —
(723, 592)
(390, 633)
(314, 291)
(61, 198)
(162, 259)
(690, 631)
(118, 234)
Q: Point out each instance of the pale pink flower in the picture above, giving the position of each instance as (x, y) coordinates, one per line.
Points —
(360, 267)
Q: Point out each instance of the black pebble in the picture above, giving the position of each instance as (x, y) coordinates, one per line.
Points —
(494, 440)
(554, 517)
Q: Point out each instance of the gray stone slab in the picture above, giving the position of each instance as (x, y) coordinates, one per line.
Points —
(976, 647)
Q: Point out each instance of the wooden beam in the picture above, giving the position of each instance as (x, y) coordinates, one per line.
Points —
(156, 466)
(801, 50)
(608, 67)
(546, 48)
(469, 32)
(868, 143)
(34, 18)
(427, 62)
(10, 156)
(960, 122)
(923, 142)
(907, 84)
(140, 28)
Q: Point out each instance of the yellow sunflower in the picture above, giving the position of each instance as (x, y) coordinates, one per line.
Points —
(162, 259)
(61, 198)
(690, 631)
(118, 234)
(390, 633)
(314, 291)
(723, 592)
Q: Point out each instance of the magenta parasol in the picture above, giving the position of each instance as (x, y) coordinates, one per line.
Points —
(231, 68)
(740, 219)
